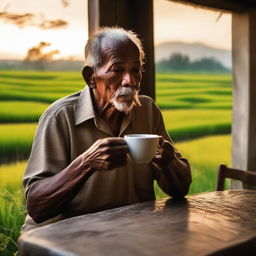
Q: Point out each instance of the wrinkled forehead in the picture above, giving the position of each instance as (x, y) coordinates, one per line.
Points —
(119, 49)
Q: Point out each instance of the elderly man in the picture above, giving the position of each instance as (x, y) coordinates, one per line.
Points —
(78, 163)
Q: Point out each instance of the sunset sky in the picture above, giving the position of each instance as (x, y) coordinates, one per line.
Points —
(45, 22)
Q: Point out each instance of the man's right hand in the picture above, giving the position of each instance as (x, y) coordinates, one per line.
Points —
(106, 154)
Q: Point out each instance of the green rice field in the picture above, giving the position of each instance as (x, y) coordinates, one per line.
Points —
(196, 109)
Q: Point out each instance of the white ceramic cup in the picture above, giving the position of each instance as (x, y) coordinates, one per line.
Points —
(142, 147)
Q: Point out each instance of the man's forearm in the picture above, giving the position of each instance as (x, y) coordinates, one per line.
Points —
(175, 179)
(47, 197)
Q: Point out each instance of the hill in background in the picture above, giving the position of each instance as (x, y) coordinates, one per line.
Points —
(194, 51)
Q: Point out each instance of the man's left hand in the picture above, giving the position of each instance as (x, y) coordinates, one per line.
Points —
(165, 154)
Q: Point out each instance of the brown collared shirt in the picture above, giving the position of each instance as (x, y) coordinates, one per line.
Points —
(67, 129)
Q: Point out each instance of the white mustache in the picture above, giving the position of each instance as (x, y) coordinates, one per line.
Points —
(125, 91)
(129, 92)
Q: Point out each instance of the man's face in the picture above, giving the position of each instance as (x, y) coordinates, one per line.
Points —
(118, 77)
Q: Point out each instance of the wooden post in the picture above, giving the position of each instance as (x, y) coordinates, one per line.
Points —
(129, 14)
(244, 91)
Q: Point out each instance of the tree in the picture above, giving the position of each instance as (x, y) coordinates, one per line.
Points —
(180, 62)
(37, 56)
(176, 61)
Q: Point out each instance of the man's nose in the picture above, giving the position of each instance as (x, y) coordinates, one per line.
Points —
(128, 79)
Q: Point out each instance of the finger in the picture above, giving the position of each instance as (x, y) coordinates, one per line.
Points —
(160, 161)
(167, 145)
(114, 158)
(159, 151)
(116, 150)
(113, 141)
(161, 140)
(157, 158)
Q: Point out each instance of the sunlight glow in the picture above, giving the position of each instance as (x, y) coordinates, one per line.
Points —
(69, 40)
(179, 22)
(173, 22)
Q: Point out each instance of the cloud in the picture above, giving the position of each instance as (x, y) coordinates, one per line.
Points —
(65, 3)
(30, 19)
(19, 20)
(53, 24)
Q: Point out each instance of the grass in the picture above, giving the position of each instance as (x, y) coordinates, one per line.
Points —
(205, 155)
(193, 91)
(12, 209)
(193, 105)
(38, 86)
(20, 111)
(174, 91)
(16, 141)
(193, 123)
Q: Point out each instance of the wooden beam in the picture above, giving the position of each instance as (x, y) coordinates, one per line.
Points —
(129, 14)
(244, 91)
(224, 5)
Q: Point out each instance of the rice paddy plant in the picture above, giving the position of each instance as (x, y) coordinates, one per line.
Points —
(40, 75)
(191, 100)
(205, 155)
(44, 80)
(167, 92)
(12, 209)
(176, 91)
(12, 214)
(183, 134)
(20, 111)
(189, 124)
(38, 89)
(175, 119)
(193, 77)
(38, 86)
(47, 97)
(15, 141)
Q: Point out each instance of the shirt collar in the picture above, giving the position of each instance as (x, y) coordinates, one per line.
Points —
(85, 110)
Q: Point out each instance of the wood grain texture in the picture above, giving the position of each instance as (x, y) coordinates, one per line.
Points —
(223, 5)
(215, 223)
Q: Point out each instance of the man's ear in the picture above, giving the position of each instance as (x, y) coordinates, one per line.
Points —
(88, 76)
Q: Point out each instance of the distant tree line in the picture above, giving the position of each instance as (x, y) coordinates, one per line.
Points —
(39, 59)
(180, 62)
(54, 65)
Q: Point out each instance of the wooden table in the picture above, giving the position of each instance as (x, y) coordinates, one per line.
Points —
(214, 223)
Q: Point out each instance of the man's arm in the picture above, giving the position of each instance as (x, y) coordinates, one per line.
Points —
(171, 170)
(172, 173)
(47, 197)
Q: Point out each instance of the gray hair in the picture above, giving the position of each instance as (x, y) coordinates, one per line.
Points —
(93, 57)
